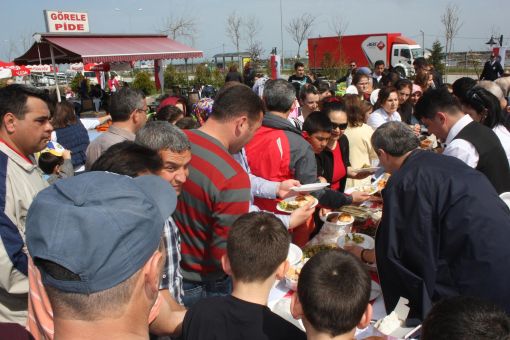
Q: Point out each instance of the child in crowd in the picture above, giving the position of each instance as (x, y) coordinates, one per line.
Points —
(465, 317)
(55, 162)
(333, 296)
(257, 248)
(317, 131)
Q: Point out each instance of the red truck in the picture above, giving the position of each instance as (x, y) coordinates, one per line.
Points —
(365, 49)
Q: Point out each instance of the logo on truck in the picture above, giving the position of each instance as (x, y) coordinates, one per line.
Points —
(380, 45)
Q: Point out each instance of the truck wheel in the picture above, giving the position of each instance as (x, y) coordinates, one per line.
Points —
(401, 72)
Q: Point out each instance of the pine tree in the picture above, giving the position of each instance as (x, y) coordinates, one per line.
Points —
(436, 57)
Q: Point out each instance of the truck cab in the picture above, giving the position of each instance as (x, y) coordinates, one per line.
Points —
(403, 56)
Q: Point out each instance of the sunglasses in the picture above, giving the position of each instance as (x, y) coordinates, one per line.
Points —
(339, 126)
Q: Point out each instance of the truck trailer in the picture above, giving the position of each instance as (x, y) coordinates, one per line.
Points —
(364, 49)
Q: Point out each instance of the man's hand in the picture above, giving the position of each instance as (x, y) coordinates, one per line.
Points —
(300, 215)
(66, 154)
(359, 197)
(284, 188)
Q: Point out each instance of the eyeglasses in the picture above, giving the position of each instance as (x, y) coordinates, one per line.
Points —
(353, 65)
(143, 110)
(339, 126)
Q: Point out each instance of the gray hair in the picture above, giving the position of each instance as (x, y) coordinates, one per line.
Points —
(161, 135)
(124, 102)
(279, 95)
(493, 88)
(395, 138)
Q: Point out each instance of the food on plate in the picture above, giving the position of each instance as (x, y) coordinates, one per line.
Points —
(298, 202)
(293, 273)
(367, 188)
(339, 217)
(381, 184)
(359, 213)
(426, 143)
(365, 166)
(312, 250)
(354, 238)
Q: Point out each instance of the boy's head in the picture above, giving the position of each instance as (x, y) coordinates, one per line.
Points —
(317, 130)
(333, 294)
(464, 317)
(257, 247)
(50, 163)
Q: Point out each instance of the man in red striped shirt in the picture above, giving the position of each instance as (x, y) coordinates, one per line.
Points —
(217, 191)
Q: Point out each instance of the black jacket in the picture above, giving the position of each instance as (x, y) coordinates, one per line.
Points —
(325, 162)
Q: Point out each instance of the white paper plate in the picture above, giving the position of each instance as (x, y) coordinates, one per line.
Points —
(506, 198)
(375, 290)
(289, 199)
(295, 254)
(367, 170)
(368, 242)
(310, 187)
(373, 189)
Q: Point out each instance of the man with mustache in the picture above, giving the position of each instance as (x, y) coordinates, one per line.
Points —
(24, 129)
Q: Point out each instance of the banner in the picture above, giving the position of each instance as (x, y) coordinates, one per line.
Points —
(65, 22)
(158, 74)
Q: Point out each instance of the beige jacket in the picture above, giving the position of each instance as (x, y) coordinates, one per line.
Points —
(20, 181)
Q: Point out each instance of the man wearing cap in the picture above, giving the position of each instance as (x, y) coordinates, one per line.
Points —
(128, 110)
(217, 191)
(24, 130)
(97, 242)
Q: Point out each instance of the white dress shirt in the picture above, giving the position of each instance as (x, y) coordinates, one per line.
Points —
(461, 148)
(504, 137)
(379, 117)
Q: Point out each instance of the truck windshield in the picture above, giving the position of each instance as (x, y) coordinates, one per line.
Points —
(417, 52)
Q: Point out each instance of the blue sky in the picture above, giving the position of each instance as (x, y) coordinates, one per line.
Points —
(20, 19)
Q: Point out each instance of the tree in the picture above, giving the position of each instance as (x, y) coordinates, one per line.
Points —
(300, 28)
(144, 83)
(338, 25)
(234, 23)
(180, 28)
(252, 29)
(436, 57)
(450, 20)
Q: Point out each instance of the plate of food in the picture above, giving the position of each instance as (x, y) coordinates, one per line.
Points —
(369, 189)
(356, 239)
(310, 187)
(339, 218)
(310, 251)
(367, 169)
(290, 204)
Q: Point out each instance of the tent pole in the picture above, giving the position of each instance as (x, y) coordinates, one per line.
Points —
(55, 72)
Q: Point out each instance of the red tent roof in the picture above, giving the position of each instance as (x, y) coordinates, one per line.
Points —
(95, 48)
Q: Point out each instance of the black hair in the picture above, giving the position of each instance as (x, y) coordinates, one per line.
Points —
(317, 122)
(461, 86)
(234, 100)
(357, 78)
(378, 62)
(480, 100)
(465, 317)
(306, 90)
(333, 105)
(187, 123)
(384, 94)
(334, 291)
(390, 78)
(168, 113)
(433, 101)
(128, 158)
(298, 64)
(13, 98)
(48, 161)
(257, 244)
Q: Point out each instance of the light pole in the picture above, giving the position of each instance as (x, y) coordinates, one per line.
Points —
(281, 36)
(423, 42)
(117, 9)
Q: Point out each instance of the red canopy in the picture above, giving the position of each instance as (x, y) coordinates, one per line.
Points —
(96, 48)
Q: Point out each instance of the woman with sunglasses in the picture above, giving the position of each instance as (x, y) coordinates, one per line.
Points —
(485, 108)
(333, 162)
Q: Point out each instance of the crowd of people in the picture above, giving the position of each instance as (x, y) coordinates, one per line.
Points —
(169, 226)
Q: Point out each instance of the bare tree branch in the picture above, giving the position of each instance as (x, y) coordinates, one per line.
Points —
(234, 23)
(450, 20)
(338, 25)
(180, 27)
(256, 50)
(300, 28)
(251, 29)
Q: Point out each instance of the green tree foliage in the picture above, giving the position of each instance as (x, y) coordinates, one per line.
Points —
(144, 83)
(172, 77)
(436, 57)
(76, 82)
